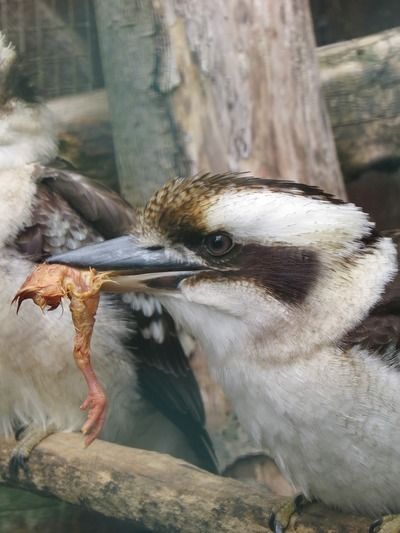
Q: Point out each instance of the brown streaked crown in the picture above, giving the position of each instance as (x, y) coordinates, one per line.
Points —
(178, 207)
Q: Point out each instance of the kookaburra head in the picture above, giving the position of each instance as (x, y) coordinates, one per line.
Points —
(27, 128)
(243, 261)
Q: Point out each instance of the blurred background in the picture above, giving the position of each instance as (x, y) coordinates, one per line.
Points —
(59, 43)
(143, 91)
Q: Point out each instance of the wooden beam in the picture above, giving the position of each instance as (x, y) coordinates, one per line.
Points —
(85, 134)
(155, 491)
(361, 83)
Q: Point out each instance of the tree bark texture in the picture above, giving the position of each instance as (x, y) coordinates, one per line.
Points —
(157, 492)
(361, 82)
(361, 86)
(214, 86)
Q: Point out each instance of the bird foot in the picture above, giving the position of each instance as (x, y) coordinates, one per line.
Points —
(387, 524)
(28, 439)
(281, 515)
(96, 402)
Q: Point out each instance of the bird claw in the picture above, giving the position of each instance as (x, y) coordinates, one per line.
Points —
(28, 438)
(386, 524)
(375, 526)
(279, 519)
(18, 461)
(274, 524)
(97, 404)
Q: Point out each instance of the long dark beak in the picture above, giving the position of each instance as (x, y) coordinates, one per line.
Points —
(131, 265)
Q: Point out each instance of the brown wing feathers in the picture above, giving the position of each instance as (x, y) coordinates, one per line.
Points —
(56, 227)
(98, 205)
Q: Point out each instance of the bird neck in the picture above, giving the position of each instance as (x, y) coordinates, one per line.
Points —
(344, 294)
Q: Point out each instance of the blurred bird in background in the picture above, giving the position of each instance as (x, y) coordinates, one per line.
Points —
(46, 208)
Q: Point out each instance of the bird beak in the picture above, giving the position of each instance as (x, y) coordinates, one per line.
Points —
(131, 266)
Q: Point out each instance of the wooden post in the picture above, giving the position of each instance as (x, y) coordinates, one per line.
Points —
(214, 86)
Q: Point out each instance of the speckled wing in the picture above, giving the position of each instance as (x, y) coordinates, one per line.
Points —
(165, 376)
(70, 211)
(379, 332)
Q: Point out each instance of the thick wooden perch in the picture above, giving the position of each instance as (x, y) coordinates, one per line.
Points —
(155, 491)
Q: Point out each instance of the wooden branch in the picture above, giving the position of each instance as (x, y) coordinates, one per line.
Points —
(85, 108)
(361, 83)
(155, 491)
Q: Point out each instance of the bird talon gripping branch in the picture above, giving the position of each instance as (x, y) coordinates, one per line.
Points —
(46, 286)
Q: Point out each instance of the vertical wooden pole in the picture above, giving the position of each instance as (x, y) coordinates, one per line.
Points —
(214, 86)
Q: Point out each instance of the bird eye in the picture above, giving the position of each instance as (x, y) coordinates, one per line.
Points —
(218, 243)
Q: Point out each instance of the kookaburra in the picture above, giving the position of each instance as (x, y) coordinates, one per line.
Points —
(294, 296)
(154, 400)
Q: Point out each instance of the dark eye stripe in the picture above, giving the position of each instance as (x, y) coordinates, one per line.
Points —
(287, 273)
